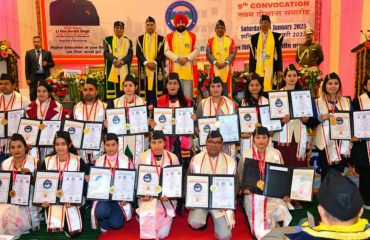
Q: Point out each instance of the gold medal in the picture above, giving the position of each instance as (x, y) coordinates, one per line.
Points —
(213, 188)
(127, 127)
(333, 121)
(158, 189)
(60, 193)
(12, 193)
(258, 125)
(112, 189)
(87, 131)
(4, 122)
(42, 126)
(173, 121)
(261, 184)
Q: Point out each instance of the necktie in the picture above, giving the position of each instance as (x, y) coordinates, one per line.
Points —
(38, 52)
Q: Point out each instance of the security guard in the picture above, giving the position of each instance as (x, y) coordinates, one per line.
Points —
(309, 54)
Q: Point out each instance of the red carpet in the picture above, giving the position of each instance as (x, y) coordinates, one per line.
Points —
(181, 231)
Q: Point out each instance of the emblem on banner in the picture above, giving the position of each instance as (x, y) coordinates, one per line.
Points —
(181, 7)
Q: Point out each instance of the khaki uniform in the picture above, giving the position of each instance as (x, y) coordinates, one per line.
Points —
(310, 55)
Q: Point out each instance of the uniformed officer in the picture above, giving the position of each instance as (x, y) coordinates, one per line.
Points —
(309, 54)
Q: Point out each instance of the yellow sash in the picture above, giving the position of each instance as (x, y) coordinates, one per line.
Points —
(150, 53)
(221, 52)
(183, 49)
(119, 54)
(265, 66)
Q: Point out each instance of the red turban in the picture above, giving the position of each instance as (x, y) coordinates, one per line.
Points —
(182, 17)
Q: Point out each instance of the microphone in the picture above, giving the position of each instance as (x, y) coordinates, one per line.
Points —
(365, 34)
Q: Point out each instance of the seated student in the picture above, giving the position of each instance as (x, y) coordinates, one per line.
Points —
(156, 214)
(264, 213)
(111, 214)
(213, 161)
(340, 209)
(64, 158)
(16, 220)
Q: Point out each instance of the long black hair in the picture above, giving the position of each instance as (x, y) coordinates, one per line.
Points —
(328, 77)
(180, 93)
(292, 67)
(48, 88)
(248, 98)
(65, 135)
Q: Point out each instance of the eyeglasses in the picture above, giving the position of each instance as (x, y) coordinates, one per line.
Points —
(214, 142)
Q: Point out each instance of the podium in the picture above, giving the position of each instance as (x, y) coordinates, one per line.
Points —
(362, 52)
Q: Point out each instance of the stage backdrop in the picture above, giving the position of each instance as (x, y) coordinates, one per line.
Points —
(74, 30)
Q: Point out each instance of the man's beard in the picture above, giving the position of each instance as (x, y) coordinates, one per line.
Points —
(180, 29)
(89, 98)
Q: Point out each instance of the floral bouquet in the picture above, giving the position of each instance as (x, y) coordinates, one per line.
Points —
(203, 83)
(311, 79)
(5, 50)
(239, 80)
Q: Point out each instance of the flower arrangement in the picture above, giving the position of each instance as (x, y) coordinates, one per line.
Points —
(239, 80)
(203, 82)
(5, 50)
(311, 79)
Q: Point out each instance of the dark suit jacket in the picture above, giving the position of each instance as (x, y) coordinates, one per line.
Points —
(32, 63)
(278, 63)
(160, 52)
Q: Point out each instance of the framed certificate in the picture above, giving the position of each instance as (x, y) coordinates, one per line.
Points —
(20, 189)
(248, 118)
(302, 184)
(266, 121)
(13, 118)
(3, 123)
(340, 126)
(75, 129)
(99, 184)
(205, 125)
(301, 103)
(172, 181)
(29, 129)
(116, 119)
(197, 191)
(184, 123)
(279, 104)
(72, 187)
(164, 119)
(124, 185)
(46, 186)
(92, 136)
(148, 181)
(5, 178)
(48, 129)
(222, 192)
(138, 120)
(361, 123)
(229, 128)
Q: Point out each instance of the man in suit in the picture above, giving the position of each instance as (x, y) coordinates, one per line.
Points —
(38, 64)
(266, 57)
(150, 54)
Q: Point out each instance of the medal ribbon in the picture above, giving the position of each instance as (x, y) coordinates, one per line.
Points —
(89, 114)
(61, 172)
(112, 169)
(153, 160)
(11, 101)
(14, 169)
(43, 114)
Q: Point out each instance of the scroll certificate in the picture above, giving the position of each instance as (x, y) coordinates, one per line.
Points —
(223, 197)
(302, 184)
(21, 186)
(29, 129)
(184, 122)
(206, 125)
(229, 128)
(14, 117)
(72, 187)
(76, 130)
(46, 186)
(138, 120)
(361, 123)
(248, 118)
(92, 137)
(148, 180)
(99, 183)
(271, 125)
(301, 103)
(116, 119)
(48, 133)
(172, 181)
(279, 104)
(342, 129)
(197, 189)
(2, 127)
(4, 186)
(162, 117)
(124, 183)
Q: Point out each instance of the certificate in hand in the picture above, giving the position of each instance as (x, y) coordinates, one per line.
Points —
(138, 119)
(99, 183)
(76, 130)
(3, 123)
(72, 187)
(301, 103)
(148, 181)
(92, 136)
(229, 128)
(164, 120)
(340, 126)
(361, 123)
(266, 121)
(46, 187)
(20, 193)
(279, 104)
(197, 191)
(124, 185)
(205, 125)
(5, 178)
(116, 119)
(13, 118)
(171, 181)
(48, 129)
(222, 192)
(29, 129)
(248, 118)
(302, 184)
(184, 122)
